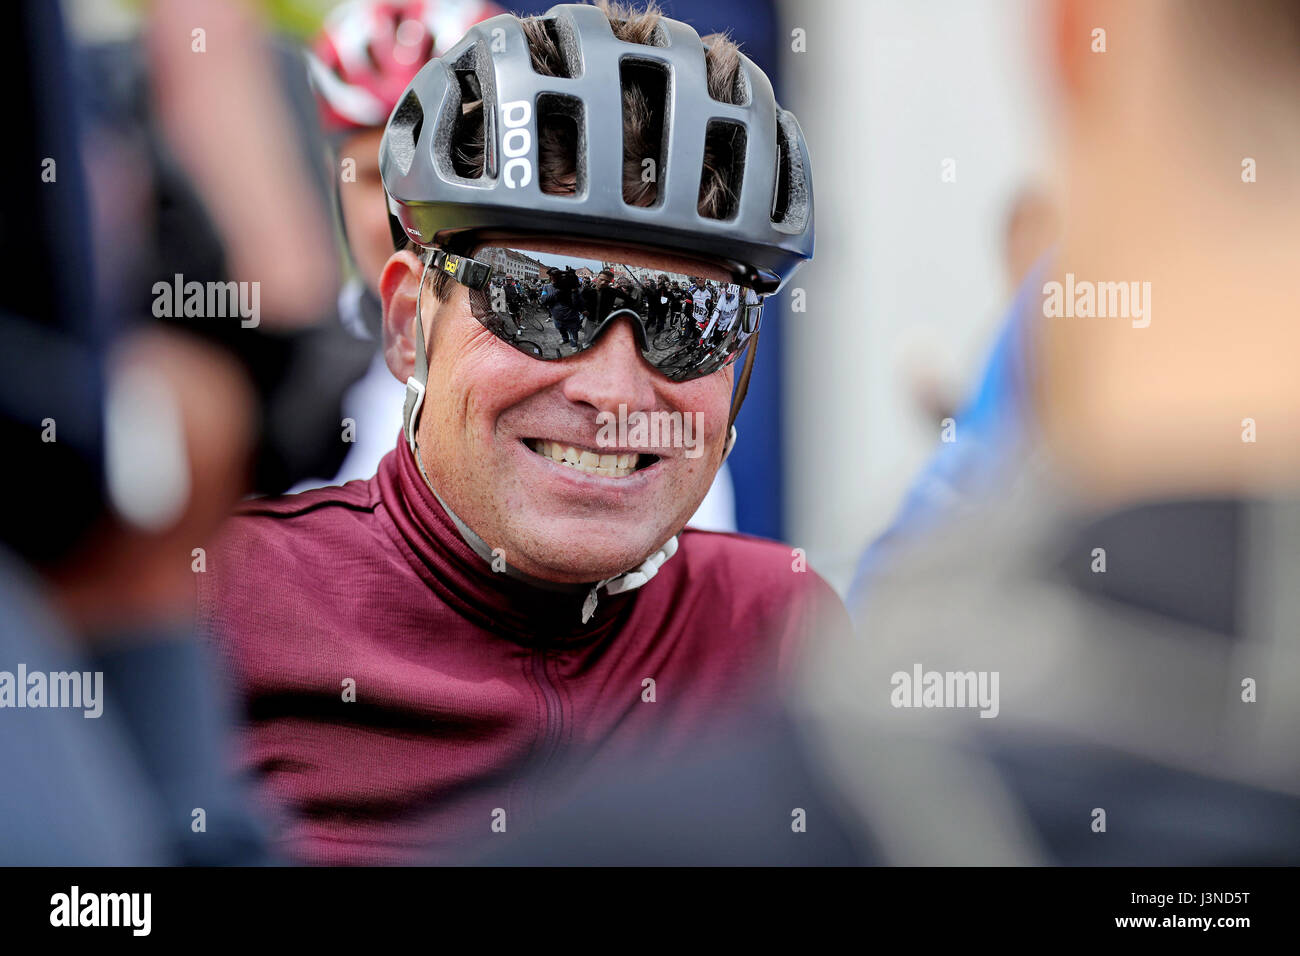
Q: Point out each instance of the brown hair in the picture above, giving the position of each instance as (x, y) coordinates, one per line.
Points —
(643, 119)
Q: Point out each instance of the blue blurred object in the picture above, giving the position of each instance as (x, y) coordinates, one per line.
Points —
(989, 427)
(67, 796)
(121, 788)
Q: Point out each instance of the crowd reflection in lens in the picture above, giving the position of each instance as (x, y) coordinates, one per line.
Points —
(553, 307)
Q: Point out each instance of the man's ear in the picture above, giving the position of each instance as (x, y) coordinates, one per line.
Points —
(399, 285)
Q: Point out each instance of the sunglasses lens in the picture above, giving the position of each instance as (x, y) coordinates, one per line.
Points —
(551, 306)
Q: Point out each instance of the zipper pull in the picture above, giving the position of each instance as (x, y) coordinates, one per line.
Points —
(589, 605)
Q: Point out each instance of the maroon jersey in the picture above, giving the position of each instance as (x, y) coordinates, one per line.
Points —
(401, 700)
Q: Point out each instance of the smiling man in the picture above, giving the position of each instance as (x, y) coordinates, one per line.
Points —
(514, 594)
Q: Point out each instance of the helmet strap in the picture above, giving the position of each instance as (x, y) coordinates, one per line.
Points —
(738, 398)
(416, 383)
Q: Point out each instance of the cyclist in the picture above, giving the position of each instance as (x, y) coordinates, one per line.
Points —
(514, 590)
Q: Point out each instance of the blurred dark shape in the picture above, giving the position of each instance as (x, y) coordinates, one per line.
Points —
(1180, 560)
(51, 364)
(759, 802)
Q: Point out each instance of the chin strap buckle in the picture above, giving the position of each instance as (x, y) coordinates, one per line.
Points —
(415, 384)
(411, 409)
(731, 443)
(629, 580)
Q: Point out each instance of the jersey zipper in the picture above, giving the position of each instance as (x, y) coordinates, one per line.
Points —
(554, 726)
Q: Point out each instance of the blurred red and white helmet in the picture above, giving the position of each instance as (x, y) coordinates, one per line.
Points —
(369, 50)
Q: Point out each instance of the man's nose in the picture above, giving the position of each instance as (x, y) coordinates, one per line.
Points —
(612, 372)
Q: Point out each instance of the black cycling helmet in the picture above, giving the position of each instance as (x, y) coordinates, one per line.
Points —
(770, 230)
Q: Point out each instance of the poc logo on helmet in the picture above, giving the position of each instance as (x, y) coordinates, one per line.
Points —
(517, 143)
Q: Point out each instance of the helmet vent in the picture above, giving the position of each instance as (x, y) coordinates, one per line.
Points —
(728, 80)
(790, 198)
(561, 148)
(645, 147)
(724, 169)
(468, 155)
(404, 131)
(657, 36)
(555, 52)
(781, 195)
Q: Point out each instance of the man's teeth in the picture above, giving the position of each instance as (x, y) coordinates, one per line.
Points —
(607, 466)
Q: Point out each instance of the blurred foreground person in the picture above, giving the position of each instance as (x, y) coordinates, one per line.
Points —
(177, 357)
(1094, 661)
(515, 590)
(1120, 608)
(112, 734)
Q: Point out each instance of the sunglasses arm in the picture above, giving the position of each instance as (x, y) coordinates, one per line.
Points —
(468, 272)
